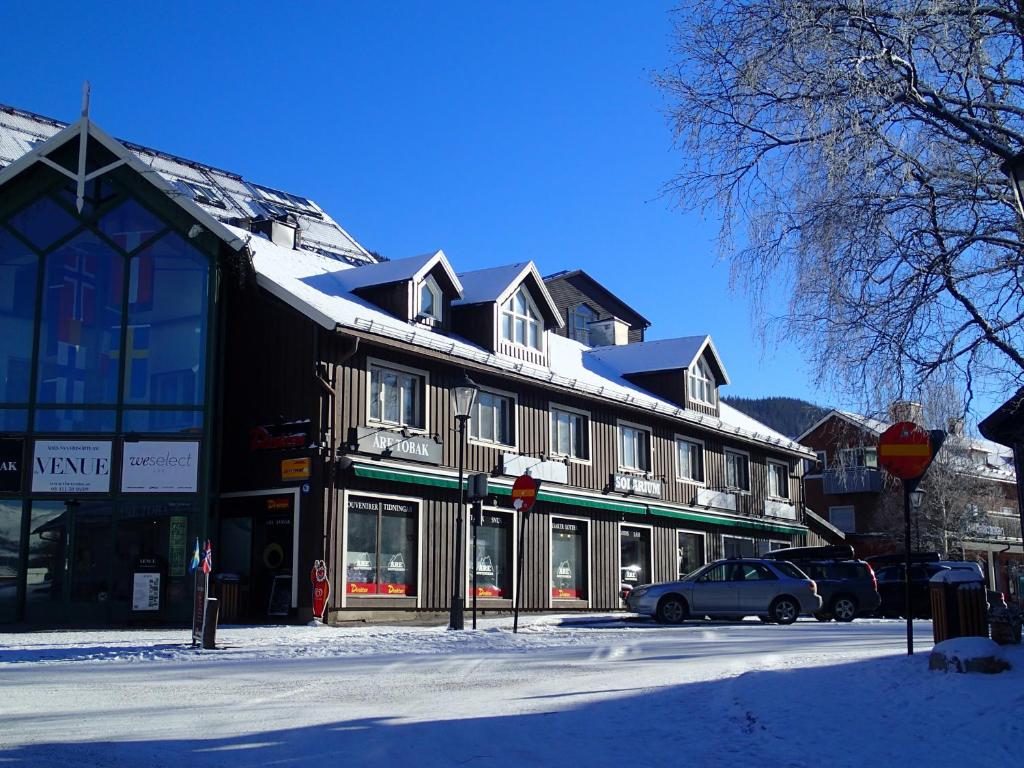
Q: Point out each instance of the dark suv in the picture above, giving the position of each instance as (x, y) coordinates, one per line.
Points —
(847, 586)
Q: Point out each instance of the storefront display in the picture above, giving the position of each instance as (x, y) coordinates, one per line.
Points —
(634, 555)
(381, 557)
(568, 559)
(494, 556)
(691, 552)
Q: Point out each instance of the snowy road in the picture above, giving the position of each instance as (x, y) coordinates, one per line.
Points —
(602, 692)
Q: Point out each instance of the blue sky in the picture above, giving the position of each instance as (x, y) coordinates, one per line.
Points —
(499, 133)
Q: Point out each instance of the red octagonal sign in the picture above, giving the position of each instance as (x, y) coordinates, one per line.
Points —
(524, 493)
(905, 450)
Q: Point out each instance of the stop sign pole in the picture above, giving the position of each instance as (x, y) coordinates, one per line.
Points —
(906, 451)
(524, 493)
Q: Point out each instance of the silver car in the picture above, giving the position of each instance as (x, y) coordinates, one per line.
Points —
(774, 591)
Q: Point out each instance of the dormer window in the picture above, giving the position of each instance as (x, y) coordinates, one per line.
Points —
(580, 318)
(430, 299)
(520, 320)
(702, 383)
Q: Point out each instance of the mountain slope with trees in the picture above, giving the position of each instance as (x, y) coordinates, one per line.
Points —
(788, 415)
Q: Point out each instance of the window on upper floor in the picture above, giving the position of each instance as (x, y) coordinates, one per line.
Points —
(430, 299)
(570, 431)
(702, 383)
(858, 457)
(689, 460)
(634, 448)
(492, 419)
(737, 470)
(396, 397)
(778, 480)
(520, 320)
(842, 518)
(580, 318)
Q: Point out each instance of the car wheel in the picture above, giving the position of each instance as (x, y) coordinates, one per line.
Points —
(672, 610)
(823, 616)
(784, 610)
(844, 609)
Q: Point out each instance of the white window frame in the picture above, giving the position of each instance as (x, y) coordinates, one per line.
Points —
(861, 451)
(785, 479)
(513, 419)
(650, 547)
(619, 424)
(343, 555)
(553, 451)
(704, 536)
(430, 284)
(700, 377)
(532, 317)
(703, 459)
(853, 517)
(745, 455)
(371, 363)
(552, 602)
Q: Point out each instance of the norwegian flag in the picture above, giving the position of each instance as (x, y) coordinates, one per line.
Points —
(73, 298)
(207, 564)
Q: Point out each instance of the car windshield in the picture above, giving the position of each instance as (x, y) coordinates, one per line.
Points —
(790, 570)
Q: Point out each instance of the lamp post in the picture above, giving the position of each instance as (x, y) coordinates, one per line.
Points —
(916, 498)
(463, 397)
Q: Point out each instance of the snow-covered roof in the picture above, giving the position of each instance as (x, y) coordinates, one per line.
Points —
(223, 195)
(305, 280)
(413, 268)
(661, 355)
(497, 284)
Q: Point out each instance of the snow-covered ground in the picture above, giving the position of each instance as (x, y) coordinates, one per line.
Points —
(593, 691)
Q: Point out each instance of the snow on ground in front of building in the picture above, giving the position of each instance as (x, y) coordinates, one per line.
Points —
(566, 690)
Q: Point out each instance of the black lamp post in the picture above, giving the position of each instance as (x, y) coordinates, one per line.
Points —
(463, 397)
(916, 498)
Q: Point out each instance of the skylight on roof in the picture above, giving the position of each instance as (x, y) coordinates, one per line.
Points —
(201, 193)
(291, 203)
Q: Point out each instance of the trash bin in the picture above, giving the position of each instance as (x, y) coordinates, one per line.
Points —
(228, 587)
(958, 606)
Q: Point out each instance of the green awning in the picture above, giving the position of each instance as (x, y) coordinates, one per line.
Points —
(682, 514)
(418, 478)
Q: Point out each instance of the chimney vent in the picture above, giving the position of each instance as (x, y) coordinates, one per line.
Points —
(609, 332)
(906, 410)
(283, 232)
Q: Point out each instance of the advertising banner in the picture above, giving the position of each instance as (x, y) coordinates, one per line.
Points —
(160, 466)
(71, 466)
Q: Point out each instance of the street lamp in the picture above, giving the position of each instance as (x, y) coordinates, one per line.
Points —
(916, 499)
(1014, 169)
(463, 396)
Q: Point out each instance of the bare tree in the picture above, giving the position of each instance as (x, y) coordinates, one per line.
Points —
(859, 141)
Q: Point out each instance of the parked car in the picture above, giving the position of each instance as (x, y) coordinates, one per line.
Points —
(847, 586)
(776, 591)
(891, 589)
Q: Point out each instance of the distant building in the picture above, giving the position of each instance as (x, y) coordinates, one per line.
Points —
(187, 354)
(855, 495)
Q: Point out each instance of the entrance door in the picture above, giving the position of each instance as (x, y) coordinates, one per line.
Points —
(634, 556)
(256, 541)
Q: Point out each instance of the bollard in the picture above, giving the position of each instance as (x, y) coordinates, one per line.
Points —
(210, 624)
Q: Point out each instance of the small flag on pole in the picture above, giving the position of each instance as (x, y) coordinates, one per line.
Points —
(195, 557)
(208, 557)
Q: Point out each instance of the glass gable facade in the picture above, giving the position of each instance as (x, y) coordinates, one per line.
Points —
(106, 321)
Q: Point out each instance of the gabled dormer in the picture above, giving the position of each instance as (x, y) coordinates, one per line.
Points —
(507, 310)
(419, 289)
(685, 371)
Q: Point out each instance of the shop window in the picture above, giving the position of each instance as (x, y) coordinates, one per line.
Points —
(152, 537)
(165, 344)
(569, 434)
(778, 480)
(80, 330)
(569, 567)
(634, 555)
(735, 546)
(396, 397)
(737, 471)
(18, 270)
(691, 552)
(491, 419)
(47, 548)
(10, 551)
(381, 556)
(494, 556)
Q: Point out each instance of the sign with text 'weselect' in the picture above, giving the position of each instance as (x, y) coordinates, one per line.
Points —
(71, 466)
(160, 466)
